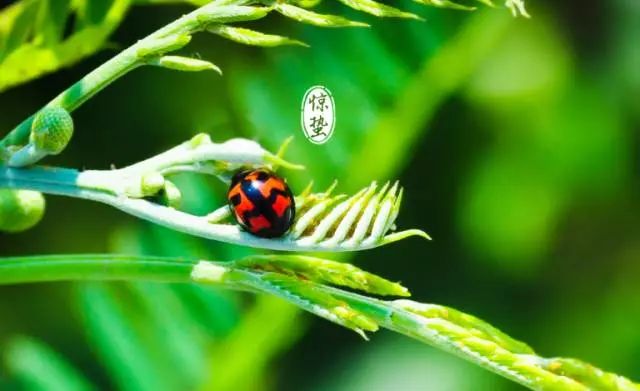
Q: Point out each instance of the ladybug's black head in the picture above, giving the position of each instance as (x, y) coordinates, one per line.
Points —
(237, 177)
(263, 174)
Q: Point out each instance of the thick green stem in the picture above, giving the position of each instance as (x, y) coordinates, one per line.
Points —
(93, 267)
(445, 328)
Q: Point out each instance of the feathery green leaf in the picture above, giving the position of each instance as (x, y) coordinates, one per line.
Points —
(313, 18)
(324, 271)
(379, 9)
(251, 37)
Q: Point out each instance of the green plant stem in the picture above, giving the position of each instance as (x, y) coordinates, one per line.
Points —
(105, 187)
(126, 61)
(93, 267)
(444, 328)
(476, 341)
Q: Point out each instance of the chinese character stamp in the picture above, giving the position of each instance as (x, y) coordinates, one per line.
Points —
(318, 114)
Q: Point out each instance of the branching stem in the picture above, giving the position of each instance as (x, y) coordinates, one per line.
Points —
(168, 38)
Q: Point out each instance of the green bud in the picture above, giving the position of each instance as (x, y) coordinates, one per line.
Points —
(214, 13)
(310, 17)
(187, 64)
(20, 209)
(251, 37)
(163, 45)
(446, 4)
(378, 9)
(152, 183)
(51, 130)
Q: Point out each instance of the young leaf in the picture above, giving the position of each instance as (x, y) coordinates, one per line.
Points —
(324, 271)
(251, 37)
(215, 13)
(187, 64)
(445, 4)
(38, 367)
(517, 7)
(316, 19)
(163, 45)
(317, 301)
(20, 63)
(16, 23)
(378, 9)
(476, 326)
(51, 20)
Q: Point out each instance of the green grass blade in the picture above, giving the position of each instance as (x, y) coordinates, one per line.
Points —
(38, 367)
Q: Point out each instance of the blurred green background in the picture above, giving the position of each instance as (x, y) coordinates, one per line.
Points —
(516, 140)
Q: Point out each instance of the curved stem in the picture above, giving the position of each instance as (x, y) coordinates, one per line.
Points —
(100, 188)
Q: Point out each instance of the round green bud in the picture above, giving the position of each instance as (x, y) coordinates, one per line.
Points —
(152, 183)
(20, 209)
(51, 130)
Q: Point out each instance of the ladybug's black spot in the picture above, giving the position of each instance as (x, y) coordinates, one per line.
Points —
(235, 200)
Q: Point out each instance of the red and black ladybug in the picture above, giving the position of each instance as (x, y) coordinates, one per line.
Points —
(262, 202)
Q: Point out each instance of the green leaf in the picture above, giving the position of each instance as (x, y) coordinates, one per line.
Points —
(163, 45)
(38, 367)
(118, 343)
(187, 64)
(445, 4)
(517, 7)
(244, 360)
(51, 20)
(324, 271)
(16, 23)
(251, 37)
(30, 60)
(316, 19)
(378, 9)
(476, 326)
(383, 149)
(312, 298)
(169, 318)
(214, 13)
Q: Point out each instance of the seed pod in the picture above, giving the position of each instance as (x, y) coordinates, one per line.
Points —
(20, 209)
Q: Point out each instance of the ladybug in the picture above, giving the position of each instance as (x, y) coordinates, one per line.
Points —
(261, 202)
